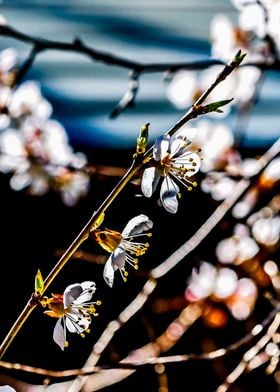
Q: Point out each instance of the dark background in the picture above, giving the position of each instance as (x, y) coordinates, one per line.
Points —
(36, 229)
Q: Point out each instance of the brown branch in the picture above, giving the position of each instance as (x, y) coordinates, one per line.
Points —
(136, 67)
(128, 100)
(247, 360)
(78, 46)
(162, 343)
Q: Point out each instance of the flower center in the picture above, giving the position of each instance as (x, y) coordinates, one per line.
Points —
(107, 239)
(165, 165)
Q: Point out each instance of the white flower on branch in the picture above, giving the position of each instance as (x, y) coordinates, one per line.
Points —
(73, 309)
(176, 163)
(124, 247)
(238, 248)
(227, 38)
(8, 61)
(221, 285)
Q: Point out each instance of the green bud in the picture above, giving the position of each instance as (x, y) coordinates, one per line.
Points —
(39, 283)
(239, 57)
(142, 140)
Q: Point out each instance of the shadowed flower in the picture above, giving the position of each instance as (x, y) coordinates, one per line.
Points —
(238, 248)
(73, 310)
(176, 163)
(215, 286)
(124, 247)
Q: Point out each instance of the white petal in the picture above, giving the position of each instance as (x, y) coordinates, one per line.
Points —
(161, 147)
(77, 324)
(184, 133)
(180, 140)
(108, 272)
(150, 181)
(59, 334)
(72, 325)
(88, 288)
(6, 388)
(177, 147)
(11, 143)
(118, 258)
(181, 89)
(8, 59)
(137, 225)
(20, 181)
(168, 195)
(71, 293)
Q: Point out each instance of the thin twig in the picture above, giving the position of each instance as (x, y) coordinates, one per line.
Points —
(78, 46)
(250, 354)
(210, 356)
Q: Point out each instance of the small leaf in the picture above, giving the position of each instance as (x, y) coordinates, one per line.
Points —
(39, 283)
(215, 106)
(142, 140)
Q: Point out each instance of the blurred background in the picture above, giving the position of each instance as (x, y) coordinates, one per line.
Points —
(83, 94)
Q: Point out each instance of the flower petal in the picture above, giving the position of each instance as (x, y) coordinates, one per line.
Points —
(59, 334)
(118, 258)
(76, 323)
(185, 133)
(168, 195)
(7, 388)
(108, 272)
(88, 288)
(179, 142)
(149, 181)
(71, 293)
(161, 147)
(137, 225)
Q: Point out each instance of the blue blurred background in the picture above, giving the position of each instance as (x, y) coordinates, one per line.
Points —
(84, 93)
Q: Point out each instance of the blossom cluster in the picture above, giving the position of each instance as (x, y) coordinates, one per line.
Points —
(245, 265)
(34, 148)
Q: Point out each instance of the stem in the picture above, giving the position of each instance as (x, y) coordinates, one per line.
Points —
(78, 46)
(16, 327)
